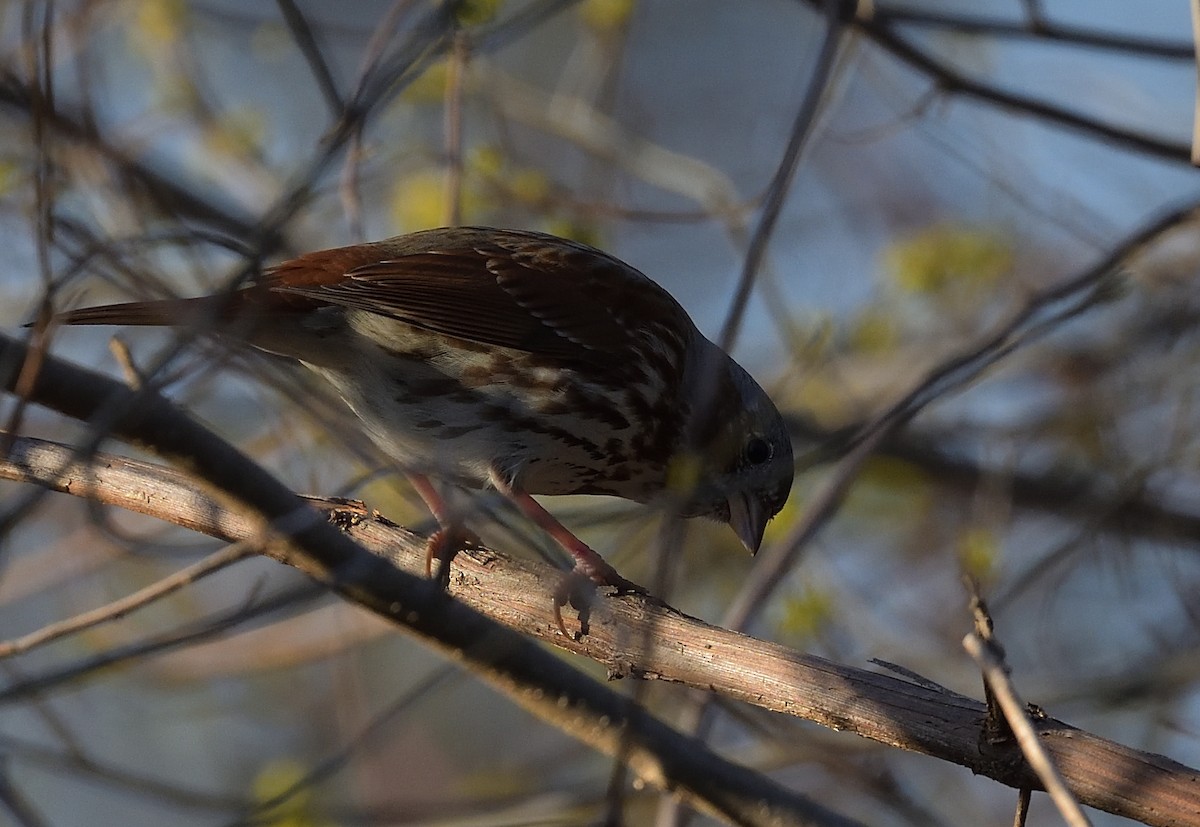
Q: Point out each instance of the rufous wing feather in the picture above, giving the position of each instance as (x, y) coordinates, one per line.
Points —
(163, 312)
(509, 289)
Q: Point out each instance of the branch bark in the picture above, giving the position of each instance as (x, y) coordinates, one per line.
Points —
(241, 496)
(633, 636)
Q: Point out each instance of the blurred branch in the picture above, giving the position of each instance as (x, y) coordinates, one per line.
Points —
(1042, 312)
(204, 629)
(517, 667)
(380, 82)
(1093, 496)
(115, 775)
(917, 716)
(589, 130)
(1035, 28)
(179, 199)
(501, 809)
(1090, 496)
(21, 810)
(306, 42)
(375, 728)
(1195, 56)
(785, 172)
(951, 81)
(131, 602)
(458, 64)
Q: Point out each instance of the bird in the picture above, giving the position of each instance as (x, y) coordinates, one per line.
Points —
(514, 360)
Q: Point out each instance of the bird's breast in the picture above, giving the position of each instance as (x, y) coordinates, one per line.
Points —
(457, 409)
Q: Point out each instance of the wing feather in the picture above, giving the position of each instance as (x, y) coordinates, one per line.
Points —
(520, 290)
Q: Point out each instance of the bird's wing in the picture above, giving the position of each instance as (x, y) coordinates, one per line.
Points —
(520, 290)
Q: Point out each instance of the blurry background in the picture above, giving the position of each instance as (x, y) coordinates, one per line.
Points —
(966, 156)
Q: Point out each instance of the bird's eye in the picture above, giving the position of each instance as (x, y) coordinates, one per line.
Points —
(758, 451)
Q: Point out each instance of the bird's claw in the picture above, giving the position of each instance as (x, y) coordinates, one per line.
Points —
(578, 586)
(442, 545)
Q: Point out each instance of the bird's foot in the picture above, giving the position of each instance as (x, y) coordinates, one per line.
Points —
(578, 586)
(442, 545)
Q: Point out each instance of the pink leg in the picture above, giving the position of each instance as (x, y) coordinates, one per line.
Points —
(449, 537)
(433, 500)
(588, 563)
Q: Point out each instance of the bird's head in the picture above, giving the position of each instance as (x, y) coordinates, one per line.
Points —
(739, 467)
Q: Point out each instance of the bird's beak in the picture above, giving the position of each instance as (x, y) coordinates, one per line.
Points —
(748, 519)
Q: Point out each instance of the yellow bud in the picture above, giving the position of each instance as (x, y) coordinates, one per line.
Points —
(807, 614)
(419, 201)
(159, 22)
(583, 233)
(298, 808)
(529, 186)
(605, 15)
(237, 132)
(874, 331)
(476, 12)
(486, 161)
(941, 256)
(978, 552)
(10, 175)
(429, 87)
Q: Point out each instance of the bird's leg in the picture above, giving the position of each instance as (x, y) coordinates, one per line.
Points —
(451, 533)
(589, 566)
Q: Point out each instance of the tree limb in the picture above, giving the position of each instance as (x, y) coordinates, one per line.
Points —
(636, 637)
(513, 664)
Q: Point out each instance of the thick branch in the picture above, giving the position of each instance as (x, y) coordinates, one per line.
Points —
(515, 665)
(637, 637)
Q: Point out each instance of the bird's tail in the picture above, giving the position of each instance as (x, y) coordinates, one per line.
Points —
(150, 313)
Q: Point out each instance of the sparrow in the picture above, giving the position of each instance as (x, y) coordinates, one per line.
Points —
(519, 361)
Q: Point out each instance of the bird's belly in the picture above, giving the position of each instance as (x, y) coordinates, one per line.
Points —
(457, 421)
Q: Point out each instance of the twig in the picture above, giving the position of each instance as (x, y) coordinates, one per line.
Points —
(1195, 6)
(348, 187)
(306, 41)
(134, 377)
(981, 645)
(457, 64)
(1037, 27)
(201, 630)
(142, 597)
(1024, 797)
(950, 80)
(781, 182)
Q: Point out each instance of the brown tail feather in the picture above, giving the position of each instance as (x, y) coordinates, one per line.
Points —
(164, 313)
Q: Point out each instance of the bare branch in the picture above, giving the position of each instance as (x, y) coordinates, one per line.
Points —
(516, 666)
(1008, 718)
(913, 715)
(1022, 727)
(130, 602)
(952, 81)
(1037, 28)
(306, 41)
(785, 172)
